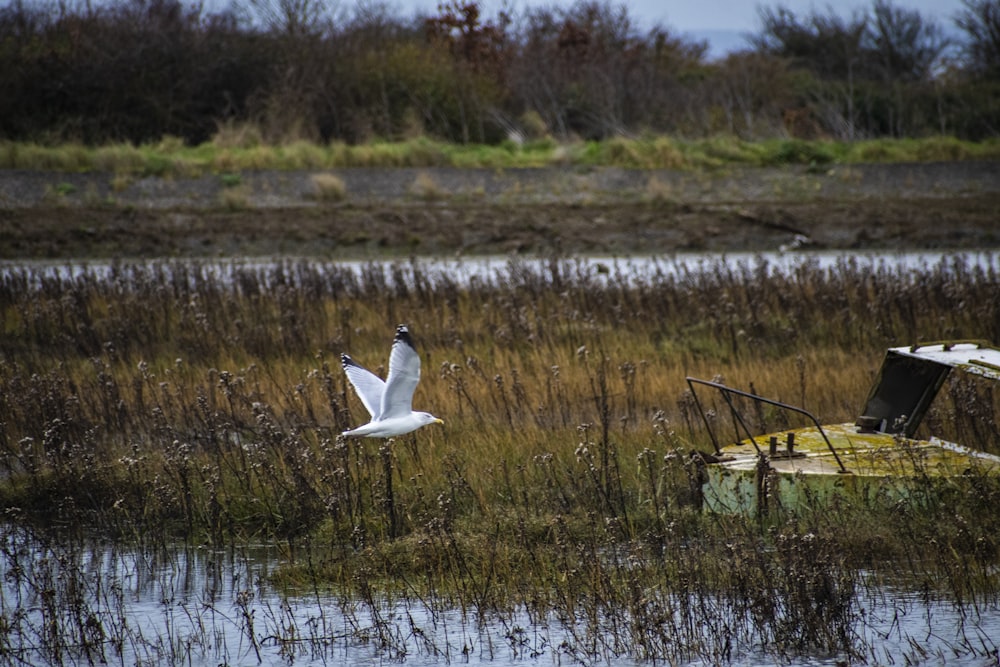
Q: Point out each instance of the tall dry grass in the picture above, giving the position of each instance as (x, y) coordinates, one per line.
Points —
(190, 401)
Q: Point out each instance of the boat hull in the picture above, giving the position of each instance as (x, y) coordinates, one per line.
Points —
(880, 468)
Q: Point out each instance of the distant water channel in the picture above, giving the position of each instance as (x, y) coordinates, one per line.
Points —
(98, 604)
(635, 270)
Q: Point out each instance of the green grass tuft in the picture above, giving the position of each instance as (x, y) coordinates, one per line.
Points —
(241, 148)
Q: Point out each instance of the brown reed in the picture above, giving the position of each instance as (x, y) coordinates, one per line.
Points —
(161, 401)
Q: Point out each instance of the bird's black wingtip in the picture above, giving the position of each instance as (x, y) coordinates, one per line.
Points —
(403, 334)
(346, 361)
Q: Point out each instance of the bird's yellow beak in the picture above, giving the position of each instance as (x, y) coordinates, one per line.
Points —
(439, 421)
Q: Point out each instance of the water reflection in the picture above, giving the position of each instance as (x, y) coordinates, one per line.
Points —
(65, 602)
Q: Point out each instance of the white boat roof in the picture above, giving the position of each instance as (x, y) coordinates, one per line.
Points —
(973, 357)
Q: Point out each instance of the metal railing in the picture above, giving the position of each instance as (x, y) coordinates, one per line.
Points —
(727, 394)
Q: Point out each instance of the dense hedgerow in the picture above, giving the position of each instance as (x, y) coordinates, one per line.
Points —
(140, 71)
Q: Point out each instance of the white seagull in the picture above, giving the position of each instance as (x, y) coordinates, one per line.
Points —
(389, 402)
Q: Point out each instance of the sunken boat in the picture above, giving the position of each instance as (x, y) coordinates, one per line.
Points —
(876, 458)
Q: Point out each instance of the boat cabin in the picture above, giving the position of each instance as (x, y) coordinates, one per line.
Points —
(874, 457)
(910, 378)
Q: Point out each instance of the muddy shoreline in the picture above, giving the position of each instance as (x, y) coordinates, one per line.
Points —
(403, 212)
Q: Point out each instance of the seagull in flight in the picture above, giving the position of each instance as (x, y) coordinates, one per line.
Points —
(389, 402)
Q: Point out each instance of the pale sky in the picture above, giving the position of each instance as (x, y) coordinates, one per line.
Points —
(742, 16)
(721, 22)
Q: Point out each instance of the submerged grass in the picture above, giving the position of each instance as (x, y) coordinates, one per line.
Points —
(162, 402)
(171, 158)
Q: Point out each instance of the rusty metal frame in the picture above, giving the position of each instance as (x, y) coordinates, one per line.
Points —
(727, 392)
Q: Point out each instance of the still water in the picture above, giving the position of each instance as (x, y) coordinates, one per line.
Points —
(635, 270)
(94, 604)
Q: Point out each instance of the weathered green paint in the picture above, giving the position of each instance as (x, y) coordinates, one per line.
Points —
(879, 460)
(880, 467)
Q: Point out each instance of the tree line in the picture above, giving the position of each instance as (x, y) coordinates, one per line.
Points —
(141, 70)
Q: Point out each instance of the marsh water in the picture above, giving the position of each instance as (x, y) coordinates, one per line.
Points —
(470, 270)
(67, 601)
(97, 604)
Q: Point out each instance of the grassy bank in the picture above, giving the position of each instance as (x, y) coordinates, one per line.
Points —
(241, 149)
(162, 403)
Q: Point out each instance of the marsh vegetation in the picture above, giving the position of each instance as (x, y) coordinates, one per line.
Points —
(227, 157)
(156, 405)
(157, 419)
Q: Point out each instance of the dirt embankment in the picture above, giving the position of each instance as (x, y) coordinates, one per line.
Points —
(450, 211)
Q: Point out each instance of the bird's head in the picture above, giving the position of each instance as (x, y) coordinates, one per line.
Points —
(427, 418)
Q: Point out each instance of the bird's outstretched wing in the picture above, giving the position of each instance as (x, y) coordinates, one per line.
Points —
(404, 374)
(370, 387)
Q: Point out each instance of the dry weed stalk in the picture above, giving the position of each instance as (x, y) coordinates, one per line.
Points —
(163, 401)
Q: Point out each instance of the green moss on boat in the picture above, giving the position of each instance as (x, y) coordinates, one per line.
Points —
(875, 459)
